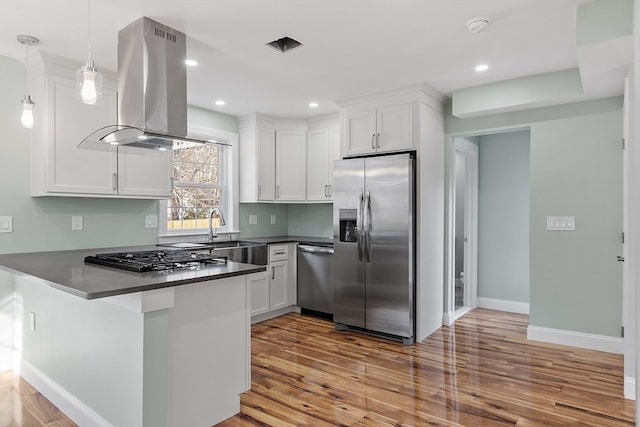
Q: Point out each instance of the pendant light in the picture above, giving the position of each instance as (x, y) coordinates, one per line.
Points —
(27, 103)
(88, 79)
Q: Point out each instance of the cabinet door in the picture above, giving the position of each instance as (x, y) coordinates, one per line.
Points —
(144, 173)
(360, 129)
(70, 169)
(266, 164)
(334, 154)
(278, 285)
(259, 290)
(394, 128)
(290, 165)
(318, 163)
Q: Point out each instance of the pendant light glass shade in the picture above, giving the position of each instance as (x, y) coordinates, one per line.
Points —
(27, 112)
(88, 79)
(89, 84)
(26, 118)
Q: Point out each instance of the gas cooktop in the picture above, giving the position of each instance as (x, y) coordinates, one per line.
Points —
(155, 260)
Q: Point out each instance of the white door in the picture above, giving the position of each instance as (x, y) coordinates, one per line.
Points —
(278, 285)
(359, 133)
(143, 172)
(394, 128)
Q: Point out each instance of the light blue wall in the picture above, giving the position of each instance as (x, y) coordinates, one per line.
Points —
(314, 220)
(503, 216)
(575, 170)
(212, 119)
(263, 212)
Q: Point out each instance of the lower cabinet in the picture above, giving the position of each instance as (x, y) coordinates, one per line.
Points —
(274, 292)
(259, 289)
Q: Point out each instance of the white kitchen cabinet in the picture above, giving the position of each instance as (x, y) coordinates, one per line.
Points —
(272, 160)
(290, 165)
(323, 147)
(266, 152)
(383, 129)
(274, 293)
(259, 289)
(279, 285)
(59, 167)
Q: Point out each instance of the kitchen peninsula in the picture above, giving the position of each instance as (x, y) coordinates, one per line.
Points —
(115, 347)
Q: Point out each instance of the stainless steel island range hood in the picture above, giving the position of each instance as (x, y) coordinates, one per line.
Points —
(152, 90)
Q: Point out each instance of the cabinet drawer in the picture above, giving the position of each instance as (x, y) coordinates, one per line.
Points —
(278, 252)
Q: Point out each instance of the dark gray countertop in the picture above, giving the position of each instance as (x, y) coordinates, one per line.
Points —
(289, 239)
(67, 271)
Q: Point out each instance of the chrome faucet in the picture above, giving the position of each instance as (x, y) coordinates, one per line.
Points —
(220, 222)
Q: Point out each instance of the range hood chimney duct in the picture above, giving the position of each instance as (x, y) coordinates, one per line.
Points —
(152, 90)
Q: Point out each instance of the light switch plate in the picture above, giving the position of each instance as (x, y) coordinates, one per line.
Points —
(561, 223)
(6, 224)
(273, 219)
(253, 219)
(76, 222)
(151, 221)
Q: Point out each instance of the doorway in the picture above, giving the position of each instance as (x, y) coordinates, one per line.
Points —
(465, 225)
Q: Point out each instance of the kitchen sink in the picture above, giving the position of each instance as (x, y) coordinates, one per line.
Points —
(237, 250)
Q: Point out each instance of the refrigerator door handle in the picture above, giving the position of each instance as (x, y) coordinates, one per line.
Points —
(359, 226)
(367, 226)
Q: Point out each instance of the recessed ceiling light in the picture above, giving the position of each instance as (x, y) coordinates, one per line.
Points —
(313, 104)
(212, 140)
(482, 67)
(220, 102)
(191, 62)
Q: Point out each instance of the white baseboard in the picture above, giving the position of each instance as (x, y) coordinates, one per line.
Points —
(630, 388)
(73, 408)
(448, 317)
(271, 314)
(503, 305)
(575, 339)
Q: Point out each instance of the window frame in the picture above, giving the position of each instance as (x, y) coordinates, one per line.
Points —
(229, 202)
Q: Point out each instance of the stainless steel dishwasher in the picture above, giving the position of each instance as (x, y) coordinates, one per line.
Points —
(315, 287)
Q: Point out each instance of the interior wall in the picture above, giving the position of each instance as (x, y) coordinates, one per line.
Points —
(313, 220)
(263, 226)
(575, 281)
(503, 216)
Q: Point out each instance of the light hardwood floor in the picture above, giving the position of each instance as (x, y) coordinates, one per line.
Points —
(480, 372)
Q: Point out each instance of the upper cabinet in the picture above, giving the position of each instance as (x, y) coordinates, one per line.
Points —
(272, 160)
(323, 148)
(290, 165)
(377, 130)
(59, 167)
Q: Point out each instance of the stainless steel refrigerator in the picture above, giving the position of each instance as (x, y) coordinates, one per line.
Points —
(373, 233)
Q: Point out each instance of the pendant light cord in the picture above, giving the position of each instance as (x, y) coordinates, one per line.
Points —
(26, 48)
(89, 28)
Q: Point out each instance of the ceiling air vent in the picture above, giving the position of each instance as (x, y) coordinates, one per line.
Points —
(284, 44)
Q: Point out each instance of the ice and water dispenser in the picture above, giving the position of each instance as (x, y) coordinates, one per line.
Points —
(348, 229)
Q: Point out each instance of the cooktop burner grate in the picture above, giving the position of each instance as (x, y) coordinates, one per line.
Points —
(154, 260)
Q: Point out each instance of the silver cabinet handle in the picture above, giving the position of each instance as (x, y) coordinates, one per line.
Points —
(378, 141)
(279, 253)
(326, 189)
(273, 273)
(330, 190)
(114, 181)
(373, 142)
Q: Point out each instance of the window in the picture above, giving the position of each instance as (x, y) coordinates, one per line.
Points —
(204, 177)
(199, 185)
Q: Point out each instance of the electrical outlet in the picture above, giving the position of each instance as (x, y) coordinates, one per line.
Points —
(273, 219)
(151, 221)
(6, 224)
(253, 219)
(561, 223)
(76, 222)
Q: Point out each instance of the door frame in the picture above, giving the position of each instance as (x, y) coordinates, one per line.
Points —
(470, 150)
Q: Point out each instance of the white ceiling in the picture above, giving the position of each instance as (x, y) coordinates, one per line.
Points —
(351, 47)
